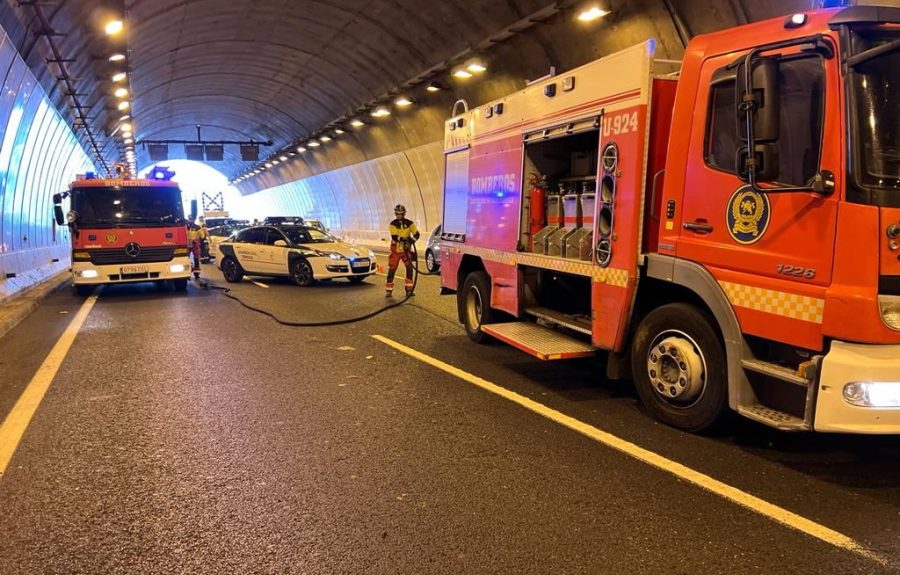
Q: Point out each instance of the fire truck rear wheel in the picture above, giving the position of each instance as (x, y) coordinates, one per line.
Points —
(232, 270)
(679, 367)
(475, 300)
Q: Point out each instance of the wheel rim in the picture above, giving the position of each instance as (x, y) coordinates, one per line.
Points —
(303, 273)
(230, 268)
(474, 307)
(677, 368)
(429, 261)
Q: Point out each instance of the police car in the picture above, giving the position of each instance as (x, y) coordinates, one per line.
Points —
(301, 252)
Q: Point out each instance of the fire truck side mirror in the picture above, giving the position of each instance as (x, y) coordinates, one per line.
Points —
(58, 214)
(760, 101)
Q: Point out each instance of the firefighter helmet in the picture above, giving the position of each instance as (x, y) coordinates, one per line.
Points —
(399, 209)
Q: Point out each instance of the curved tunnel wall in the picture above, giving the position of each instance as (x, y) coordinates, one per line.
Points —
(39, 155)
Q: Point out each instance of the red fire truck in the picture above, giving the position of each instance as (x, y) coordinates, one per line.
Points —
(618, 207)
(126, 230)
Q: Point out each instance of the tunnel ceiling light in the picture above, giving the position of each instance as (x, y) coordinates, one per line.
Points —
(434, 87)
(275, 162)
(314, 144)
(403, 102)
(325, 139)
(339, 131)
(592, 13)
(119, 77)
(125, 117)
(269, 164)
(117, 57)
(357, 123)
(114, 27)
(126, 127)
(128, 140)
(301, 149)
(283, 158)
(381, 112)
(462, 73)
(121, 92)
(476, 66)
(124, 105)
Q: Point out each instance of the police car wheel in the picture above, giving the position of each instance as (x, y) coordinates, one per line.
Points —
(232, 270)
(302, 272)
(475, 302)
(431, 265)
(679, 367)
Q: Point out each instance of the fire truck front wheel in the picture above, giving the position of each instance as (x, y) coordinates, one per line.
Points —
(679, 367)
(475, 301)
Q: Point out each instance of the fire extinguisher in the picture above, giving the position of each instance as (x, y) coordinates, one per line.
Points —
(537, 211)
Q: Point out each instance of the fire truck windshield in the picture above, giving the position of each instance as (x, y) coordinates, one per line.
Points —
(876, 91)
(137, 206)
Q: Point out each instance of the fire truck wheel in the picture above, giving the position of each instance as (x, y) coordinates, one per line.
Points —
(84, 290)
(679, 367)
(302, 272)
(232, 270)
(475, 300)
(180, 284)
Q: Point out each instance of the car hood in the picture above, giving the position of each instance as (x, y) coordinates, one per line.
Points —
(345, 249)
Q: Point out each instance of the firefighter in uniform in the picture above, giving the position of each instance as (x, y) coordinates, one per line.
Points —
(204, 241)
(195, 238)
(403, 234)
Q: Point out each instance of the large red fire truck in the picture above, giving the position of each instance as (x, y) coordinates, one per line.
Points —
(126, 230)
(618, 207)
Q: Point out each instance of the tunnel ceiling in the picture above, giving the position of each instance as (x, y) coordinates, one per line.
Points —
(283, 70)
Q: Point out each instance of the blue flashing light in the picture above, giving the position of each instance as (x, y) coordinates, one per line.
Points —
(162, 173)
(90, 176)
(835, 3)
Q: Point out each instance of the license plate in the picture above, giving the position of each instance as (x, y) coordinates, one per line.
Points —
(360, 264)
(129, 270)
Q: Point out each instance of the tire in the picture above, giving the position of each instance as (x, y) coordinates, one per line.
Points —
(357, 279)
(302, 272)
(475, 302)
(431, 265)
(180, 284)
(84, 290)
(232, 270)
(679, 367)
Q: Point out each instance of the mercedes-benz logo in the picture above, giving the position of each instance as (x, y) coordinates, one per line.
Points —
(132, 250)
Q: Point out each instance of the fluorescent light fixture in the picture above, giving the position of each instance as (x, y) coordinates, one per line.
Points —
(339, 131)
(283, 158)
(269, 164)
(475, 66)
(121, 92)
(127, 134)
(126, 127)
(381, 112)
(314, 144)
(357, 123)
(275, 162)
(434, 87)
(114, 27)
(125, 117)
(117, 57)
(403, 102)
(592, 13)
(123, 105)
(119, 77)
(324, 139)
(301, 149)
(462, 73)
(128, 141)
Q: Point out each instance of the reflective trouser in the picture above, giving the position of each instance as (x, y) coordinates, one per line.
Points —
(393, 263)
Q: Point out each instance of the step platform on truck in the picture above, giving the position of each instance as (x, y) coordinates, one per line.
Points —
(540, 341)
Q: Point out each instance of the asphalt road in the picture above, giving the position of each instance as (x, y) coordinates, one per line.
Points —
(185, 433)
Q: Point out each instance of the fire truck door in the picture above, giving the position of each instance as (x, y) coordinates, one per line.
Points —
(744, 236)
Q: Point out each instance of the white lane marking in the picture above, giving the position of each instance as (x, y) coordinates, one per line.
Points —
(699, 479)
(262, 285)
(19, 417)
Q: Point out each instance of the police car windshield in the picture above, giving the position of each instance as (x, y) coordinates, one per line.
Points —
(307, 235)
(131, 206)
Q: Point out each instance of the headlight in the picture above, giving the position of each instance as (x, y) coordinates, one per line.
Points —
(176, 268)
(90, 274)
(371, 255)
(890, 310)
(71, 216)
(81, 256)
(335, 256)
(873, 393)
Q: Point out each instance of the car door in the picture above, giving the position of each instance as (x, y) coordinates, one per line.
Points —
(276, 256)
(248, 247)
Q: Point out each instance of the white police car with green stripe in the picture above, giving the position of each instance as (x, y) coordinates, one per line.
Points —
(304, 253)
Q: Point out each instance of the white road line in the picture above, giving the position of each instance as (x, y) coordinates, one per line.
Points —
(19, 417)
(262, 285)
(715, 486)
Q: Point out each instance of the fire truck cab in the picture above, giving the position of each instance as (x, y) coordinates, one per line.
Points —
(125, 231)
(725, 227)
